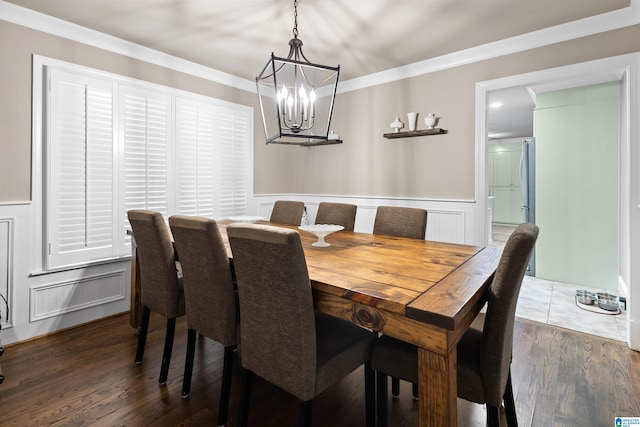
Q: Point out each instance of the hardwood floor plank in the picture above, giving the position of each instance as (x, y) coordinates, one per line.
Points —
(86, 377)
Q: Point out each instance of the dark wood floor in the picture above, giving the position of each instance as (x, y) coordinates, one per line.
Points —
(86, 376)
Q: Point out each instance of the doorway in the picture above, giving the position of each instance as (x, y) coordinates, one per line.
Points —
(577, 180)
(510, 162)
(625, 69)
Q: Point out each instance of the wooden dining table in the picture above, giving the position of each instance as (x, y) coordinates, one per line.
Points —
(423, 292)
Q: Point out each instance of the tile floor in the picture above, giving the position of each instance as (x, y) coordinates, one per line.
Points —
(554, 303)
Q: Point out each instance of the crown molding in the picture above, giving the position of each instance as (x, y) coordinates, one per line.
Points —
(584, 27)
(581, 28)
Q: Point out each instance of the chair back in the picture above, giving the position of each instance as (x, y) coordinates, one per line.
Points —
(287, 212)
(210, 299)
(337, 213)
(160, 289)
(278, 338)
(497, 335)
(400, 222)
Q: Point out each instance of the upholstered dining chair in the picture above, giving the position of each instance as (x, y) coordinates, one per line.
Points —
(484, 352)
(210, 298)
(400, 222)
(337, 213)
(161, 288)
(283, 339)
(287, 212)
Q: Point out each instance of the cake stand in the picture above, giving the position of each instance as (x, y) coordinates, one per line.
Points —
(321, 231)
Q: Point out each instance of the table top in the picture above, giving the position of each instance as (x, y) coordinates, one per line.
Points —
(441, 284)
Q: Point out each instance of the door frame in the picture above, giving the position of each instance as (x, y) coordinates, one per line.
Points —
(626, 70)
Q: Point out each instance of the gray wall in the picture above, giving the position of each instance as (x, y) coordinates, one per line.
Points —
(366, 164)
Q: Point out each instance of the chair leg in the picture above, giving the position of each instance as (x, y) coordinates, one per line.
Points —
(225, 389)
(168, 347)
(395, 387)
(370, 395)
(305, 413)
(415, 391)
(245, 397)
(493, 416)
(510, 404)
(188, 363)
(142, 336)
(381, 399)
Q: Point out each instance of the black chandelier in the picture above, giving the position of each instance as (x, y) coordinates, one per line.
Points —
(297, 96)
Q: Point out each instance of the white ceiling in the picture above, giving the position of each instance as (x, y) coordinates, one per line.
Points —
(363, 37)
(513, 118)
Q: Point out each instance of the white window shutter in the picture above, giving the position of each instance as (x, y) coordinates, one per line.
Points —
(212, 150)
(232, 156)
(195, 148)
(113, 144)
(81, 184)
(145, 118)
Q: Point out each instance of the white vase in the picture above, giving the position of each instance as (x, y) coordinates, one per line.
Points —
(431, 121)
(396, 125)
(412, 120)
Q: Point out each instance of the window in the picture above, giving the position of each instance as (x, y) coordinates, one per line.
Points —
(81, 182)
(145, 141)
(212, 167)
(112, 144)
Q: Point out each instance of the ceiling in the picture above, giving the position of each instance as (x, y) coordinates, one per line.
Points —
(510, 113)
(238, 36)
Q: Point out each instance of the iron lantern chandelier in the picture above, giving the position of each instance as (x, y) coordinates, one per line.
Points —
(297, 96)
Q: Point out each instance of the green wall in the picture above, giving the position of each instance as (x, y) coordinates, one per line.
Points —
(577, 172)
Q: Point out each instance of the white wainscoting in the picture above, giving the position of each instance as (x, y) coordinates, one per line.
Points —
(39, 303)
(448, 220)
(59, 298)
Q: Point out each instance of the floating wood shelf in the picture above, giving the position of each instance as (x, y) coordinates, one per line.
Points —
(412, 133)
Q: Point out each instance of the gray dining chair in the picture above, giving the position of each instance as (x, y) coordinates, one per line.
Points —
(337, 213)
(400, 222)
(283, 339)
(210, 299)
(161, 289)
(287, 212)
(484, 352)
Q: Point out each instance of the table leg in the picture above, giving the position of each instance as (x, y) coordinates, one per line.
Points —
(438, 388)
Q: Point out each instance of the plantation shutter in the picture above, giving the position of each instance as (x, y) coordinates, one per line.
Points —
(145, 137)
(195, 143)
(81, 183)
(232, 162)
(212, 147)
(113, 144)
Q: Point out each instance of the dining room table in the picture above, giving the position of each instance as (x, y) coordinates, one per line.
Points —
(423, 292)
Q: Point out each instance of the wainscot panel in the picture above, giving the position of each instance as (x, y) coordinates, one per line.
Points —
(65, 297)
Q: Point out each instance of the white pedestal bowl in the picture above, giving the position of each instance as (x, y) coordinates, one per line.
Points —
(321, 231)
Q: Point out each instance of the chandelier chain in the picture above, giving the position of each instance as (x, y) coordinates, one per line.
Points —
(295, 19)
